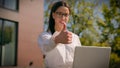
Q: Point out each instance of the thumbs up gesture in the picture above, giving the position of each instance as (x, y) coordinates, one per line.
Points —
(64, 26)
(64, 37)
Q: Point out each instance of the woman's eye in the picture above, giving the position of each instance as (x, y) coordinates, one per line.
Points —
(60, 13)
(66, 15)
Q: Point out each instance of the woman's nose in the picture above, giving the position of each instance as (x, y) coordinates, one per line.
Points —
(63, 17)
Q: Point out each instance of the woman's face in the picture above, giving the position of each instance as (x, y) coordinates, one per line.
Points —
(60, 15)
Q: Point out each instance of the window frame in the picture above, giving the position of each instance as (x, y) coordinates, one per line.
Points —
(16, 41)
(16, 9)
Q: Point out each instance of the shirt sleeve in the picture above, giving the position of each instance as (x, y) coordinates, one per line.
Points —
(46, 42)
(78, 41)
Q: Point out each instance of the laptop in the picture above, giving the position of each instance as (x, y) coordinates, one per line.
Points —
(91, 57)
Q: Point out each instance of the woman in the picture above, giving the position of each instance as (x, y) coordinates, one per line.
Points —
(58, 44)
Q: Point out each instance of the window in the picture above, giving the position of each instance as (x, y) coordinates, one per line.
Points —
(10, 4)
(8, 42)
(1, 2)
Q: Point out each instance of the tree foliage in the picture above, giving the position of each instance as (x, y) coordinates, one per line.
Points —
(5, 35)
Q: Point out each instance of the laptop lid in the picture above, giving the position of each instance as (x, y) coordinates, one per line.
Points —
(91, 57)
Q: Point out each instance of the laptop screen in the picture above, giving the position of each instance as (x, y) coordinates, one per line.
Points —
(91, 57)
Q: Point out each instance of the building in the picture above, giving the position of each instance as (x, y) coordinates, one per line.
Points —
(21, 21)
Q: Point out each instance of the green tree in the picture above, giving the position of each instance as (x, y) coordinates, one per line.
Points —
(83, 21)
(5, 35)
(112, 36)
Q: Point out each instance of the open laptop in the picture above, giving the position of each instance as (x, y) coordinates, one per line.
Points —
(91, 57)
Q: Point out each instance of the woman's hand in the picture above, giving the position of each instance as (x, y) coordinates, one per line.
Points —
(64, 36)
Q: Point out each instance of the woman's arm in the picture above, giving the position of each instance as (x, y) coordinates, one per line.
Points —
(46, 42)
(78, 43)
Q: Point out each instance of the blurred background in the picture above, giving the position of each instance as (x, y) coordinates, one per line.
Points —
(21, 22)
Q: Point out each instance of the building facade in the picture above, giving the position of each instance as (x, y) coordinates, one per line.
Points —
(21, 22)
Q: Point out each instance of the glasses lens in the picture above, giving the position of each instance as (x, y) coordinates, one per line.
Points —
(60, 14)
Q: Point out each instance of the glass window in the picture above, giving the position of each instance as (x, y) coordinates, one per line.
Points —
(9, 43)
(10, 4)
(0, 32)
(1, 2)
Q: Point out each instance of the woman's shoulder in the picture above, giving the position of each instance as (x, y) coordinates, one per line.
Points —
(44, 34)
(74, 34)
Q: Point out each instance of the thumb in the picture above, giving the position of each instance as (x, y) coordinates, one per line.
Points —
(64, 26)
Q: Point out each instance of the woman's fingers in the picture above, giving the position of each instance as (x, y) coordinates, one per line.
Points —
(69, 37)
(64, 37)
(64, 26)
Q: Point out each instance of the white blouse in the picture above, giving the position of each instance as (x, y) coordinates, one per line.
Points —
(57, 55)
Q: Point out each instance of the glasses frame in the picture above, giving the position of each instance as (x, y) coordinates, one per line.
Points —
(60, 14)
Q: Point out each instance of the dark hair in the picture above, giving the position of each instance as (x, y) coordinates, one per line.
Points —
(56, 5)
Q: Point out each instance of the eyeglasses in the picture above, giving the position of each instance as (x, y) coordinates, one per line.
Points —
(60, 14)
